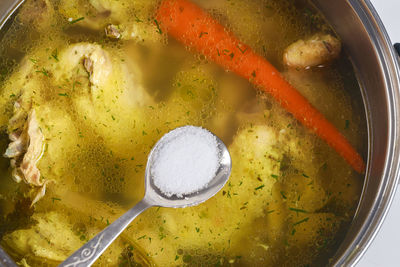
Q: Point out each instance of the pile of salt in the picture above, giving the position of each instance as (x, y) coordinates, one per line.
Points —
(186, 162)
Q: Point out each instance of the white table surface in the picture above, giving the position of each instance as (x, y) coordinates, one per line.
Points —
(385, 249)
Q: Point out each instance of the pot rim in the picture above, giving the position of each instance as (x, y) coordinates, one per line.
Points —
(390, 67)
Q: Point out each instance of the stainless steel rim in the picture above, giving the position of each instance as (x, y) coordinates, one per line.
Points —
(390, 68)
(7, 8)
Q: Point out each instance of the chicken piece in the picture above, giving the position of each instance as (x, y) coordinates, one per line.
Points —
(317, 50)
(87, 94)
(34, 152)
(113, 103)
(47, 239)
(95, 60)
(53, 238)
(25, 150)
(127, 20)
(106, 74)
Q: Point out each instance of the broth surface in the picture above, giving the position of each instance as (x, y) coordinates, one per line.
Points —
(102, 103)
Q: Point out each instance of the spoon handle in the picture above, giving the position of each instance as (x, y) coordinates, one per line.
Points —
(88, 253)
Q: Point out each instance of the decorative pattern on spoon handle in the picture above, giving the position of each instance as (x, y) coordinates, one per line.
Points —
(89, 253)
(86, 254)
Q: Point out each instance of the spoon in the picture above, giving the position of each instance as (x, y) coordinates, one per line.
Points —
(88, 253)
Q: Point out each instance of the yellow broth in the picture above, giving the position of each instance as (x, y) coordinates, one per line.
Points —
(290, 197)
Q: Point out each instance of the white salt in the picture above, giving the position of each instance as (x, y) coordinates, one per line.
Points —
(185, 161)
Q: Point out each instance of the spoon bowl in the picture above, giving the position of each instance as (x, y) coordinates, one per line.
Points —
(154, 197)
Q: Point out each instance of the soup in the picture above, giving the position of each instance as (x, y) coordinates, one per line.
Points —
(88, 87)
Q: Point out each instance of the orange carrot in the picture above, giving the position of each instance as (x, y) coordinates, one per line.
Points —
(197, 30)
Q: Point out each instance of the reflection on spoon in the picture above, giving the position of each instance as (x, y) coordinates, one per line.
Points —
(196, 178)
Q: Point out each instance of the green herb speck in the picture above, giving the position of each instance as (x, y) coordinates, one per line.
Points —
(347, 124)
(259, 187)
(298, 210)
(158, 27)
(76, 20)
(301, 221)
(55, 198)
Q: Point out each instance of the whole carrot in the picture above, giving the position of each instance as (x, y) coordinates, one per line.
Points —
(196, 29)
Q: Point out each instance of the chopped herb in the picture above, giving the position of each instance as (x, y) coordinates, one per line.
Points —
(259, 187)
(305, 175)
(274, 176)
(137, 19)
(76, 20)
(253, 73)
(270, 211)
(202, 33)
(197, 229)
(158, 27)
(112, 116)
(55, 55)
(176, 257)
(241, 49)
(325, 166)
(12, 95)
(34, 61)
(65, 94)
(108, 223)
(231, 55)
(283, 195)
(144, 133)
(43, 71)
(143, 236)
(55, 198)
(301, 221)
(347, 124)
(293, 231)
(161, 235)
(298, 210)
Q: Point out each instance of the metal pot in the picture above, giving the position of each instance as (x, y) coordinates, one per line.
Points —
(377, 68)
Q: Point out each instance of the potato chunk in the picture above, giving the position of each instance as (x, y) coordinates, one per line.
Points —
(317, 50)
